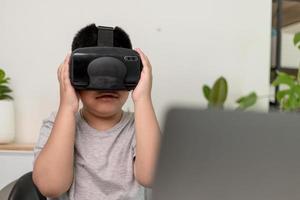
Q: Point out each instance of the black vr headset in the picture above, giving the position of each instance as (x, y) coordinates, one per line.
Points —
(105, 67)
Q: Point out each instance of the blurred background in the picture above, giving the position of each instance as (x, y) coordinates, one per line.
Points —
(189, 43)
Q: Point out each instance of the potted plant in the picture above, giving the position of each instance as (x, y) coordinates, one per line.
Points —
(7, 125)
(288, 95)
(217, 94)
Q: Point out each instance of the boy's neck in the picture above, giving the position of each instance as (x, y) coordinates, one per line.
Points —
(101, 123)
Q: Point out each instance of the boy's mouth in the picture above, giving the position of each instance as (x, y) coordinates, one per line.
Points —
(108, 95)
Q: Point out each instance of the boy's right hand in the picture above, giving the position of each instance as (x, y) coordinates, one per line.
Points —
(69, 98)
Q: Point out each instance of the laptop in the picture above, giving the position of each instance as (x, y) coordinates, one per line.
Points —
(227, 155)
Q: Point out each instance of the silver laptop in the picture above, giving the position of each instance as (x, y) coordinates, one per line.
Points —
(210, 155)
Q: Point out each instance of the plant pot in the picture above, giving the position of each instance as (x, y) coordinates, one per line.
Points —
(7, 121)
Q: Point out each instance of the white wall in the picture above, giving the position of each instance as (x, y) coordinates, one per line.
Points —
(13, 165)
(289, 53)
(189, 42)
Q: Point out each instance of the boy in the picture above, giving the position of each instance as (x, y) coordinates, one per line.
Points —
(98, 151)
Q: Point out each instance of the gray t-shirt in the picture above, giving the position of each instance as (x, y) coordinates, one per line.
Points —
(103, 163)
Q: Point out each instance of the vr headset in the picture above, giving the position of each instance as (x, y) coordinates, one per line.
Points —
(105, 67)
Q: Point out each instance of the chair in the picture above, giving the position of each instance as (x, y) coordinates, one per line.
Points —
(23, 189)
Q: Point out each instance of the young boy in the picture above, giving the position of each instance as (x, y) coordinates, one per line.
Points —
(98, 151)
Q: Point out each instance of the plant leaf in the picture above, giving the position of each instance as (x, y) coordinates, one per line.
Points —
(4, 81)
(247, 101)
(206, 91)
(290, 98)
(297, 39)
(218, 93)
(282, 93)
(4, 97)
(4, 90)
(2, 74)
(284, 79)
(298, 75)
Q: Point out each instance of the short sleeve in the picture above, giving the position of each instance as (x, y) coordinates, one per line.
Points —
(44, 134)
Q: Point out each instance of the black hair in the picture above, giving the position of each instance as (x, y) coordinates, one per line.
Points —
(88, 37)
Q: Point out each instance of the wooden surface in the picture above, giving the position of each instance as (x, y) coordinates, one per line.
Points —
(293, 0)
(290, 12)
(16, 147)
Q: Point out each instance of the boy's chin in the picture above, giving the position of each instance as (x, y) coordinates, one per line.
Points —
(107, 112)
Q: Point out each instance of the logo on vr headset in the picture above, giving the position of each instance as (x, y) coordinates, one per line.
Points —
(105, 67)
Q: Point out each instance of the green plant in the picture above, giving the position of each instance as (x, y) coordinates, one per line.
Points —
(4, 89)
(289, 96)
(246, 101)
(297, 40)
(217, 95)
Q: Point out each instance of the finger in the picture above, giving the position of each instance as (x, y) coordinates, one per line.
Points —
(67, 58)
(145, 60)
(59, 72)
(66, 73)
(143, 54)
(64, 64)
(143, 57)
(146, 57)
(60, 68)
(61, 75)
(63, 70)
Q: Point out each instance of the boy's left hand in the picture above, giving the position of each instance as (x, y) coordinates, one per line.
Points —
(143, 88)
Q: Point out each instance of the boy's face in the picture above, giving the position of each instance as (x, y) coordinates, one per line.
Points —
(103, 103)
